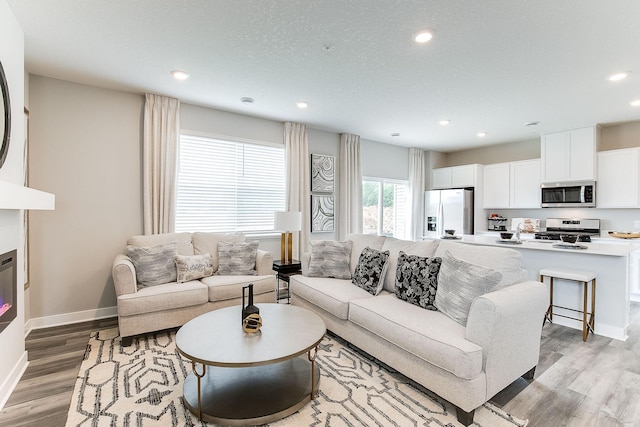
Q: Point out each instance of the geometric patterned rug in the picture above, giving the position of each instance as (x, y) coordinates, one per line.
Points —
(141, 386)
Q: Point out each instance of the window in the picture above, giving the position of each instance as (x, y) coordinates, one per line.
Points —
(384, 204)
(228, 186)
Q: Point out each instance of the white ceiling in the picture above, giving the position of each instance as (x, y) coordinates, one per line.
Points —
(492, 66)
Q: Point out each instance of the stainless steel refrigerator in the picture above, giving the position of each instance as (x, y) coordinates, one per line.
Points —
(448, 210)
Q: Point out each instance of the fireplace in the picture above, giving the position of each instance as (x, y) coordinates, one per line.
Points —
(8, 289)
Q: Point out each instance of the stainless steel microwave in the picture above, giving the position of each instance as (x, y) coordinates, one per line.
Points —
(576, 194)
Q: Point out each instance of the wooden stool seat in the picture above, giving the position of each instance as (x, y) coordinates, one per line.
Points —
(581, 276)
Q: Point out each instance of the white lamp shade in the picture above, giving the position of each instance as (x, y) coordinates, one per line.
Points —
(288, 221)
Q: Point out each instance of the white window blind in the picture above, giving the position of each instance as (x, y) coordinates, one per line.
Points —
(228, 186)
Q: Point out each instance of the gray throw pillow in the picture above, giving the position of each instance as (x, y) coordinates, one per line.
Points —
(370, 271)
(193, 267)
(154, 265)
(237, 259)
(330, 259)
(417, 279)
(459, 283)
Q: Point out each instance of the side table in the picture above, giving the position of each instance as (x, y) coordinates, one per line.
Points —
(284, 270)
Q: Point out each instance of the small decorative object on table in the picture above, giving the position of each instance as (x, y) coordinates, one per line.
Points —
(251, 320)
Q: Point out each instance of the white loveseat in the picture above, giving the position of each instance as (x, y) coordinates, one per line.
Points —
(466, 365)
(168, 305)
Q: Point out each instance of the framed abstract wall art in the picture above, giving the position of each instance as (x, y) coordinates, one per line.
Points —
(322, 173)
(322, 218)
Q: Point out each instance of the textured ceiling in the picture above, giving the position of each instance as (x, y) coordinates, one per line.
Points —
(492, 65)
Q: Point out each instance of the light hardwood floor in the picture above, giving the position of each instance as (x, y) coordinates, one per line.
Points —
(596, 383)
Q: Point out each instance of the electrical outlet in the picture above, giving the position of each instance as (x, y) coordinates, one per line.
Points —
(636, 224)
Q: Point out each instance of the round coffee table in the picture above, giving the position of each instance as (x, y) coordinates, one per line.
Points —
(240, 378)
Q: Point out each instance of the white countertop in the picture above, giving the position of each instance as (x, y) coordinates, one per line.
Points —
(596, 247)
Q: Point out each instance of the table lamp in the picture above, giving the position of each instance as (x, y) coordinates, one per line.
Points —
(287, 222)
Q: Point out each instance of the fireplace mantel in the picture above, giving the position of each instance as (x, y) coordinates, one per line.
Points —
(13, 196)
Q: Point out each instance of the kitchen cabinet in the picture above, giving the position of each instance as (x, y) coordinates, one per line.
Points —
(496, 186)
(455, 176)
(512, 185)
(634, 275)
(569, 155)
(618, 179)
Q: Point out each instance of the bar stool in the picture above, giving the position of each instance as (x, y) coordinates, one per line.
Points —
(581, 276)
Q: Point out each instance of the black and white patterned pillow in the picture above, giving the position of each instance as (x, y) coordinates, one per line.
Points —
(370, 271)
(417, 279)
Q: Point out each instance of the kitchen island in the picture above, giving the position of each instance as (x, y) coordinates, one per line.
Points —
(609, 261)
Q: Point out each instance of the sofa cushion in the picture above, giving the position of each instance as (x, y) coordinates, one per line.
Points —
(193, 267)
(154, 265)
(223, 288)
(237, 259)
(330, 259)
(505, 260)
(207, 243)
(370, 270)
(425, 248)
(459, 283)
(185, 246)
(332, 295)
(417, 279)
(430, 335)
(162, 298)
(359, 242)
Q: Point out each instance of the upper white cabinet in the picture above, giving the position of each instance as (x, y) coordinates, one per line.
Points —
(525, 184)
(496, 186)
(512, 185)
(618, 178)
(569, 155)
(455, 176)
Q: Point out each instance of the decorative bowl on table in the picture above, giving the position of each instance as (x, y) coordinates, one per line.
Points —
(569, 238)
(450, 232)
(506, 235)
(625, 234)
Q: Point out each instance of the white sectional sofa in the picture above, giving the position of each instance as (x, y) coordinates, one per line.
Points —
(168, 305)
(464, 364)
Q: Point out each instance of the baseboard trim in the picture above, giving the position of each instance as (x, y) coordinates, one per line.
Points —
(601, 328)
(12, 380)
(69, 318)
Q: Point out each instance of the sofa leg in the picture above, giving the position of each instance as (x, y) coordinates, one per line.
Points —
(529, 374)
(126, 341)
(465, 418)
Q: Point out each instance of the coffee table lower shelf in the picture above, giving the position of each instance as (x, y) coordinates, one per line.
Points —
(252, 395)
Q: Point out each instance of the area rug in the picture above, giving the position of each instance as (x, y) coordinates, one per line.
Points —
(141, 385)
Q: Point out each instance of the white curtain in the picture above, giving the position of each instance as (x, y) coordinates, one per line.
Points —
(298, 188)
(159, 159)
(350, 185)
(417, 187)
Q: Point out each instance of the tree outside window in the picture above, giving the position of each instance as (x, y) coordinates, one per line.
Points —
(384, 207)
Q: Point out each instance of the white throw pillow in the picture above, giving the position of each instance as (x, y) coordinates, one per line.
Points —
(193, 267)
(459, 283)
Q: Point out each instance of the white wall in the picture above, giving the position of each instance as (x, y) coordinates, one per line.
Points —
(328, 143)
(381, 160)
(12, 350)
(85, 148)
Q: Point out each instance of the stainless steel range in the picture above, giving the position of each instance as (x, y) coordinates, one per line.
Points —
(583, 228)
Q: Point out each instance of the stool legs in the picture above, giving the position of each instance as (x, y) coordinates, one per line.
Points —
(588, 318)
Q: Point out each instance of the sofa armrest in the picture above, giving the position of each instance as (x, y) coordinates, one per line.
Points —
(124, 275)
(507, 324)
(264, 263)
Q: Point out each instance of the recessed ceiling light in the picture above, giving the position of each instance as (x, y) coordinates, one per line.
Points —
(423, 36)
(180, 75)
(302, 104)
(444, 122)
(395, 134)
(536, 123)
(635, 103)
(247, 100)
(481, 134)
(618, 76)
